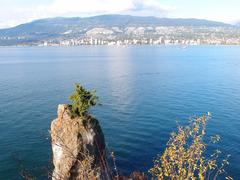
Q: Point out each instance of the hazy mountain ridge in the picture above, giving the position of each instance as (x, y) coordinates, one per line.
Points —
(119, 25)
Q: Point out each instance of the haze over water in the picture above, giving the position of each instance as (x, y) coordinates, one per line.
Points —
(146, 91)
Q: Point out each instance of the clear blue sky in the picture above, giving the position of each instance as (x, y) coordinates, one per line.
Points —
(13, 12)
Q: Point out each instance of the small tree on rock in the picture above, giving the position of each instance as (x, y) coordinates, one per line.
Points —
(81, 101)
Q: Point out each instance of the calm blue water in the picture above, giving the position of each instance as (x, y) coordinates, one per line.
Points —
(144, 90)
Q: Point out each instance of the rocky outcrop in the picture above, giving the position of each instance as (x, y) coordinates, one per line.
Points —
(78, 147)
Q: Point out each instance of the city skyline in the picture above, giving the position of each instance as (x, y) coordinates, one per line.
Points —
(15, 12)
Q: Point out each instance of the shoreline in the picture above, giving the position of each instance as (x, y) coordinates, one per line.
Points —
(130, 45)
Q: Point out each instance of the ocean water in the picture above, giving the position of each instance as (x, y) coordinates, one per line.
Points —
(145, 91)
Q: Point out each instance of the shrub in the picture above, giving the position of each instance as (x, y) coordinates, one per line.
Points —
(81, 101)
(184, 158)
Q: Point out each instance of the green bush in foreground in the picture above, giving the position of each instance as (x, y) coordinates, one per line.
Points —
(184, 157)
(81, 101)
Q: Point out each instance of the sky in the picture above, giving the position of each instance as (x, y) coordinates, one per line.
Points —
(15, 12)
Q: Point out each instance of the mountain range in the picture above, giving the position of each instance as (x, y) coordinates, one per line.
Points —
(60, 27)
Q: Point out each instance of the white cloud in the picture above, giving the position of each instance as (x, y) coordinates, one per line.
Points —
(90, 6)
(155, 5)
(81, 8)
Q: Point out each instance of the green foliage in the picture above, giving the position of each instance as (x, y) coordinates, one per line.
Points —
(81, 101)
(184, 157)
